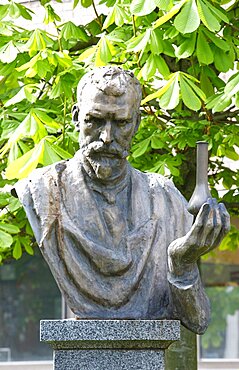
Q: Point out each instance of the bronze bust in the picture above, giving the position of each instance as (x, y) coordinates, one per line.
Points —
(120, 243)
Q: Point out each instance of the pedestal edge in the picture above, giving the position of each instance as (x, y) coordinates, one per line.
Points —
(109, 334)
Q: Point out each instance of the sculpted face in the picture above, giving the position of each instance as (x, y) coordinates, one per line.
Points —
(107, 125)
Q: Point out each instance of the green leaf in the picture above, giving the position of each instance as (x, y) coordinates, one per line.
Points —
(8, 52)
(14, 10)
(218, 103)
(3, 11)
(232, 87)
(237, 100)
(141, 148)
(148, 69)
(63, 154)
(189, 79)
(206, 84)
(120, 34)
(189, 98)
(86, 3)
(44, 153)
(231, 153)
(174, 171)
(51, 15)
(8, 228)
(219, 42)
(29, 93)
(46, 119)
(14, 153)
(207, 17)
(156, 44)
(164, 4)
(105, 52)
(4, 199)
(160, 92)
(204, 52)
(49, 155)
(44, 2)
(71, 31)
(109, 19)
(24, 165)
(63, 86)
(159, 168)
(31, 127)
(117, 15)
(170, 99)
(188, 20)
(121, 16)
(6, 240)
(29, 249)
(142, 7)
(175, 9)
(156, 142)
(25, 12)
(186, 47)
(140, 42)
(87, 54)
(63, 59)
(5, 29)
(22, 94)
(31, 64)
(108, 3)
(76, 2)
(223, 61)
(170, 33)
(162, 66)
(218, 13)
(38, 41)
(26, 243)
(17, 250)
(24, 147)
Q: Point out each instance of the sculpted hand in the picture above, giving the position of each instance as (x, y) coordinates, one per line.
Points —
(211, 225)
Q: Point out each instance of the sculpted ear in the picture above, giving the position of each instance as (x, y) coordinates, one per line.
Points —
(75, 115)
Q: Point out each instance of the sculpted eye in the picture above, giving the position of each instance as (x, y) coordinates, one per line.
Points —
(88, 122)
(91, 120)
(122, 123)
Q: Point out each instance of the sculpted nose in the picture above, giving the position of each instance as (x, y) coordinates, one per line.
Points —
(105, 134)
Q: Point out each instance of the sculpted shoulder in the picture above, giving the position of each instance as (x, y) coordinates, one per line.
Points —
(40, 178)
(166, 200)
(38, 195)
(157, 182)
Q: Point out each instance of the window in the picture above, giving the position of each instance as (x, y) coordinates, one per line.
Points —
(28, 294)
(221, 277)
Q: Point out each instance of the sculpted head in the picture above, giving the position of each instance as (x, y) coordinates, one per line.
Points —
(107, 115)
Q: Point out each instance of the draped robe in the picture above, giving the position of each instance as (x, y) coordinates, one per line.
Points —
(107, 249)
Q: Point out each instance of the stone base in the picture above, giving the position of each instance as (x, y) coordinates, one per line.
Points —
(109, 360)
(109, 344)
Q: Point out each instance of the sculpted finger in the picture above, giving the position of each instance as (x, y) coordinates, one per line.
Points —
(223, 220)
(194, 234)
(208, 227)
(225, 217)
(200, 219)
(213, 240)
(216, 214)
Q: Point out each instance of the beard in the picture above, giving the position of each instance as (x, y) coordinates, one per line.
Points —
(105, 160)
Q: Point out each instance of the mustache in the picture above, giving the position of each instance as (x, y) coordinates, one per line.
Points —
(98, 147)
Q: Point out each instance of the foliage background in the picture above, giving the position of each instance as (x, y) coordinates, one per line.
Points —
(184, 52)
(179, 50)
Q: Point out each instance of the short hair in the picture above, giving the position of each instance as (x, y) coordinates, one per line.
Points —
(111, 80)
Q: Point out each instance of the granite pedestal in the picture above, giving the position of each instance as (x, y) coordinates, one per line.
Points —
(109, 344)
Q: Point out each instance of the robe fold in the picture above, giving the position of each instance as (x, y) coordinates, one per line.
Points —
(109, 255)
